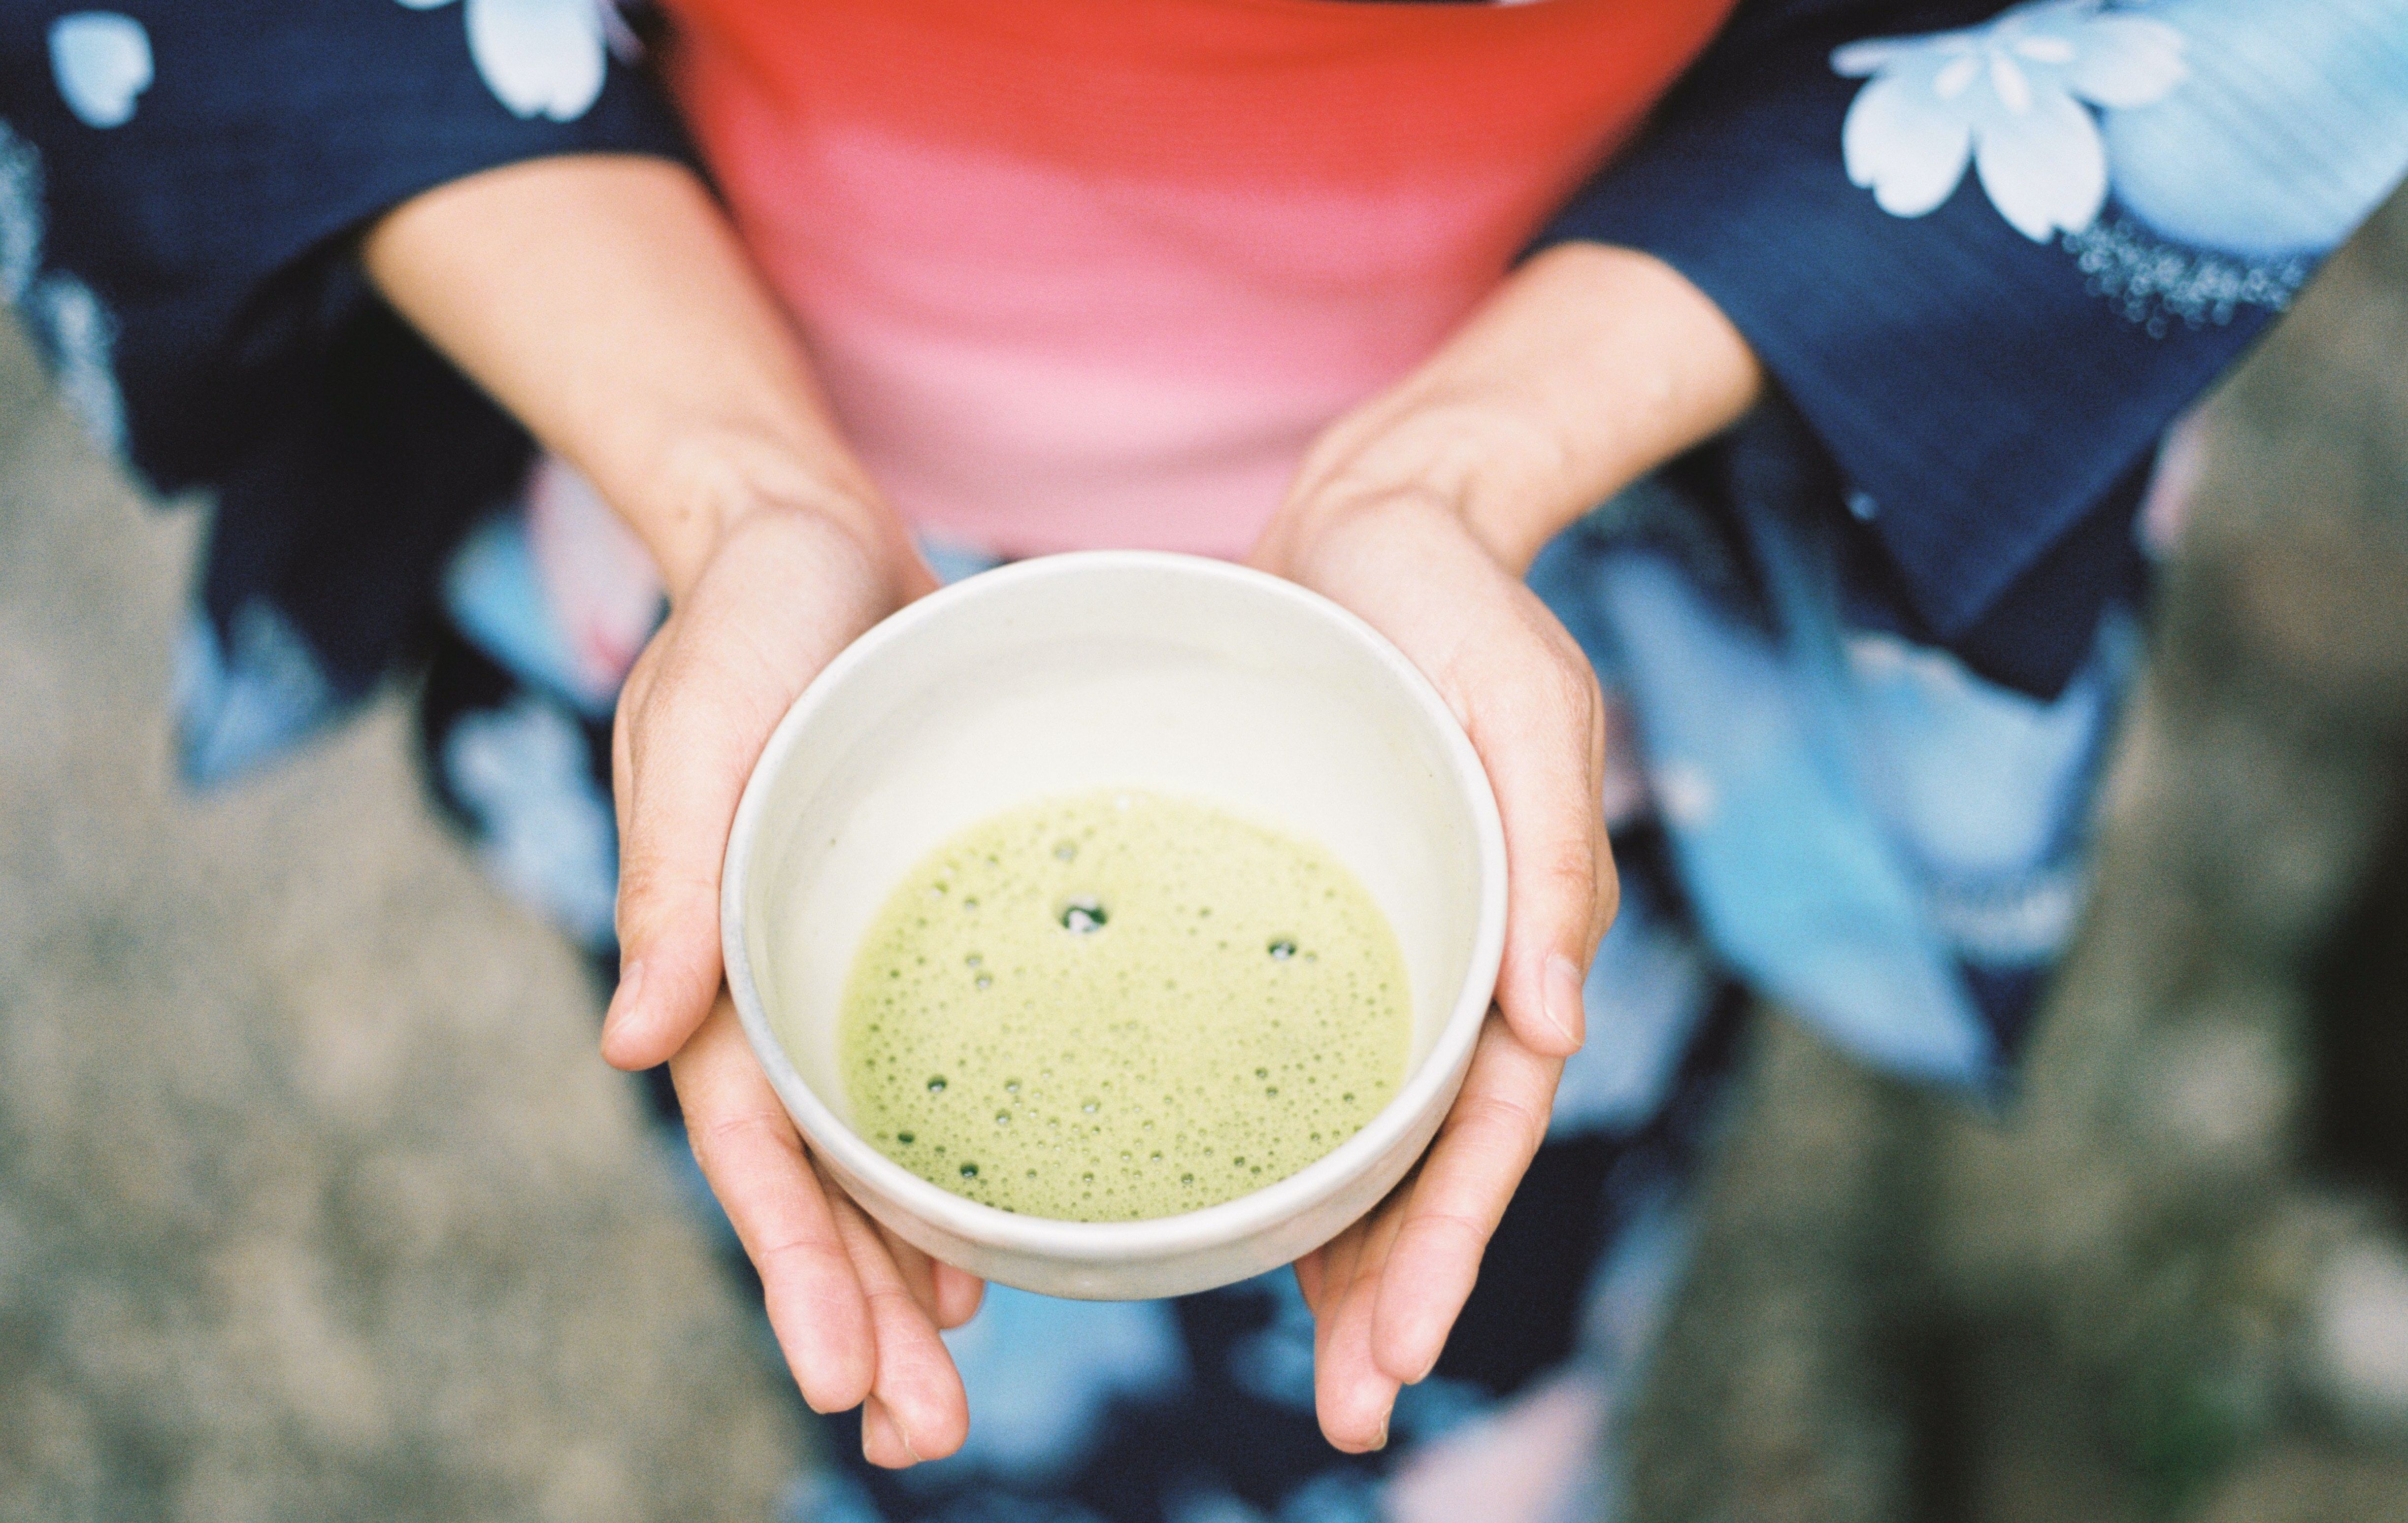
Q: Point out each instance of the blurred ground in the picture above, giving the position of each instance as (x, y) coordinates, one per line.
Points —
(2168, 1280)
(315, 1201)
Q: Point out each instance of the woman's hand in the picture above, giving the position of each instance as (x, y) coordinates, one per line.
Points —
(606, 303)
(1420, 513)
(856, 1310)
(1387, 1289)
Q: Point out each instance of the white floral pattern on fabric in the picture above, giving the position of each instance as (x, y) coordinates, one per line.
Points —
(2010, 96)
(101, 62)
(538, 57)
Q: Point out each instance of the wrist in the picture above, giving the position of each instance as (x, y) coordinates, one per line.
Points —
(711, 485)
(1336, 538)
(1492, 469)
(1589, 367)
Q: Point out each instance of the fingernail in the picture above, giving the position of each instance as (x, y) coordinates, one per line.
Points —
(1381, 1441)
(879, 1416)
(1561, 998)
(623, 1001)
(1426, 1369)
(874, 1424)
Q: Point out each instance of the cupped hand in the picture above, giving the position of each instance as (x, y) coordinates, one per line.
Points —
(1386, 1291)
(856, 1310)
(605, 300)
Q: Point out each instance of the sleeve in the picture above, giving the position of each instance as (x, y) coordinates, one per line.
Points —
(180, 185)
(1991, 254)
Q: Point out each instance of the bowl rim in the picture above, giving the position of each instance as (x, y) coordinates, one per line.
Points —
(1208, 1227)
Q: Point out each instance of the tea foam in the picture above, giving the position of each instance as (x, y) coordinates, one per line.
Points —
(1121, 1005)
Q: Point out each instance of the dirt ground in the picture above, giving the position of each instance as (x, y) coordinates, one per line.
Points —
(315, 1200)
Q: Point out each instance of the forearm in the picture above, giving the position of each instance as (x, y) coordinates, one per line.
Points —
(1589, 367)
(604, 302)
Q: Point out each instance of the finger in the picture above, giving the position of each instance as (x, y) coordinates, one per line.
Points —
(917, 1268)
(631, 698)
(727, 665)
(1486, 1147)
(949, 1296)
(882, 1443)
(748, 1149)
(917, 1389)
(1353, 1394)
(1536, 719)
(958, 1295)
(1308, 1271)
(1349, 1293)
(687, 757)
(1324, 1273)
(1333, 1267)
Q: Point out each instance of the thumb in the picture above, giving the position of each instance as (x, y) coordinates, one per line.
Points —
(693, 719)
(681, 766)
(1538, 724)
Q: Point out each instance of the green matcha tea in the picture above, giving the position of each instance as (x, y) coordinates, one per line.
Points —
(1121, 1005)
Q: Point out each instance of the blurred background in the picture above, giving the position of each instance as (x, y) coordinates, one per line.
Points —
(315, 1201)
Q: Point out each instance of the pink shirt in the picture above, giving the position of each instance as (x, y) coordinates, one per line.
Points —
(1079, 273)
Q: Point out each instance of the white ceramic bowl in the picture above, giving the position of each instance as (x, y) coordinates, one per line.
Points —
(1169, 673)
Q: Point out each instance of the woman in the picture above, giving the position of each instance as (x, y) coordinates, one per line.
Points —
(1866, 341)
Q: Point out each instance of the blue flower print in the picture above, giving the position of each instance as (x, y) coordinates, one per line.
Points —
(77, 336)
(20, 215)
(547, 828)
(1041, 1372)
(2295, 129)
(74, 333)
(244, 698)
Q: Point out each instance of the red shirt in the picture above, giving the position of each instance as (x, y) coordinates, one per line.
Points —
(1095, 272)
